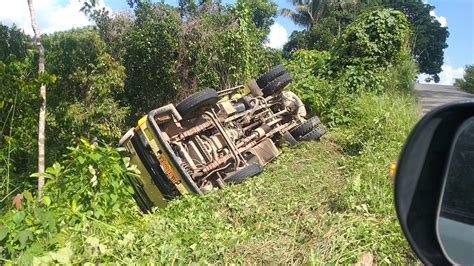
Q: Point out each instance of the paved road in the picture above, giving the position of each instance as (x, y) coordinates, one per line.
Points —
(431, 96)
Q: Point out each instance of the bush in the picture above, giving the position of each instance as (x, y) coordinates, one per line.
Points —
(467, 83)
(374, 40)
(84, 99)
(90, 183)
(401, 76)
(371, 57)
(28, 232)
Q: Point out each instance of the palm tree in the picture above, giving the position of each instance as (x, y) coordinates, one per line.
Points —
(307, 13)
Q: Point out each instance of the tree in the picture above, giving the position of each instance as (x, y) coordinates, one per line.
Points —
(18, 109)
(429, 37)
(84, 101)
(215, 46)
(188, 8)
(374, 40)
(322, 36)
(467, 82)
(150, 59)
(308, 13)
(262, 13)
(13, 44)
(324, 22)
(42, 111)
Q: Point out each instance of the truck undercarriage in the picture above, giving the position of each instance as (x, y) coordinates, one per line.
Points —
(214, 138)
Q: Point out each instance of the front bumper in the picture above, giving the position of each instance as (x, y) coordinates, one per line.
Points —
(161, 178)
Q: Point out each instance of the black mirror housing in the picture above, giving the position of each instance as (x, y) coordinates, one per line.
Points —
(420, 178)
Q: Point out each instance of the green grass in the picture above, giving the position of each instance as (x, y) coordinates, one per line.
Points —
(321, 202)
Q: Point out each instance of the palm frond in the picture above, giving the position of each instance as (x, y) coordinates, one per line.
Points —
(286, 12)
(297, 2)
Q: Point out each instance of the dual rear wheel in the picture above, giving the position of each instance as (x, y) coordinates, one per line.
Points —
(311, 129)
(274, 80)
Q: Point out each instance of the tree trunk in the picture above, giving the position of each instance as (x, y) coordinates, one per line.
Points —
(42, 111)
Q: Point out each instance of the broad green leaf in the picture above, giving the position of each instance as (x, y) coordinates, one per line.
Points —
(57, 168)
(63, 255)
(3, 232)
(41, 174)
(28, 196)
(18, 217)
(24, 236)
(36, 175)
(81, 159)
(46, 200)
(95, 156)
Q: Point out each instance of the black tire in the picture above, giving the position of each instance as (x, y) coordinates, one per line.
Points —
(270, 75)
(289, 139)
(189, 106)
(277, 85)
(305, 127)
(314, 134)
(243, 173)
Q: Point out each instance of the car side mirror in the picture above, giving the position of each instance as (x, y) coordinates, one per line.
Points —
(434, 186)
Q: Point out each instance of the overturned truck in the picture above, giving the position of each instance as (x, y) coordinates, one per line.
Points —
(213, 138)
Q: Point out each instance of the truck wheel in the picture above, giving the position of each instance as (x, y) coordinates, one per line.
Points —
(270, 75)
(189, 106)
(254, 88)
(305, 127)
(243, 173)
(314, 134)
(277, 85)
(289, 139)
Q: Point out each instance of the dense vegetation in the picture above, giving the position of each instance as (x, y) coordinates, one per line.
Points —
(320, 202)
(467, 82)
(325, 21)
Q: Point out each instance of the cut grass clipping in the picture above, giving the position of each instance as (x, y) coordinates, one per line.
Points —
(321, 202)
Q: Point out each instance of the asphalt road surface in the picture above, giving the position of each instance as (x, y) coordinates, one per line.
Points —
(431, 96)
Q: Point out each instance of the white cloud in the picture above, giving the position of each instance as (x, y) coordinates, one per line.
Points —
(51, 15)
(447, 76)
(278, 36)
(442, 20)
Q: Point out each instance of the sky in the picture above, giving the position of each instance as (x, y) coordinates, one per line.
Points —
(57, 15)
